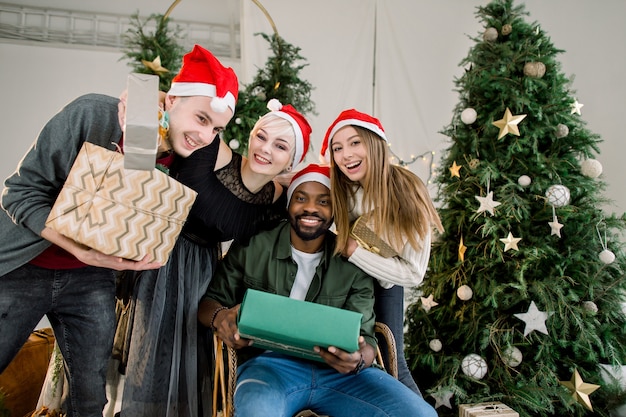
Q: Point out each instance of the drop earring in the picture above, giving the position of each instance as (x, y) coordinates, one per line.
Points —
(164, 128)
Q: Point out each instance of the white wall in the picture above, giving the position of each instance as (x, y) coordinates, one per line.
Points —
(429, 38)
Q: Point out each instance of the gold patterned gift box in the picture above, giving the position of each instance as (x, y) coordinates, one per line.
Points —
(489, 409)
(120, 212)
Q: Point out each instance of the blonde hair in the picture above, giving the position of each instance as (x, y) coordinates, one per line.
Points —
(276, 126)
(399, 201)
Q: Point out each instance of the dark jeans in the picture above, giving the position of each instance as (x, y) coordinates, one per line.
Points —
(389, 309)
(80, 305)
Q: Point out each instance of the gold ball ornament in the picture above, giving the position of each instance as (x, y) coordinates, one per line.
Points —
(562, 130)
(558, 195)
(591, 168)
(512, 356)
(607, 257)
(490, 35)
(468, 116)
(464, 292)
(435, 345)
(534, 69)
(473, 163)
(507, 29)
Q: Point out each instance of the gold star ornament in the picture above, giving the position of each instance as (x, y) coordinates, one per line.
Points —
(580, 390)
(454, 170)
(508, 124)
(155, 66)
(462, 249)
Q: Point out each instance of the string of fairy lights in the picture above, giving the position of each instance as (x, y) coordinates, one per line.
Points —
(427, 157)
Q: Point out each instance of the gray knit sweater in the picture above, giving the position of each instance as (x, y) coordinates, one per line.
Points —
(31, 190)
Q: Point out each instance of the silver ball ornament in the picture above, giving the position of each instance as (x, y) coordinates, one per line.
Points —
(474, 366)
(435, 345)
(234, 144)
(562, 130)
(468, 116)
(464, 292)
(590, 306)
(558, 195)
(512, 356)
(591, 168)
(607, 257)
(238, 121)
(524, 180)
(490, 35)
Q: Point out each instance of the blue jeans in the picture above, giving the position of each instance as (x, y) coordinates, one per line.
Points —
(389, 309)
(80, 305)
(277, 385)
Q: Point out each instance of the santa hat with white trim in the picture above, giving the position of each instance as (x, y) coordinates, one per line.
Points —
(350, 117)
(204, 75)
(301, 127)
(312, 172)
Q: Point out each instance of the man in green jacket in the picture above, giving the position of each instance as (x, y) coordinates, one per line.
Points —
(296, 260)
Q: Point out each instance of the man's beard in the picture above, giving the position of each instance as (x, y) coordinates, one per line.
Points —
(309, 233)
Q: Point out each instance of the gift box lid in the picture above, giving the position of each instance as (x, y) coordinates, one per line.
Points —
(494, 409)
(294, 327)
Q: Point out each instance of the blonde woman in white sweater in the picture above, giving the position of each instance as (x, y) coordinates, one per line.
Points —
(400, 211)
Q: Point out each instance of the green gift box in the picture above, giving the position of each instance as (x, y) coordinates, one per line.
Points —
(294, 327)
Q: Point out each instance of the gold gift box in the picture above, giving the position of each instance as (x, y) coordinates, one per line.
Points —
(490, 409)
(117, 211)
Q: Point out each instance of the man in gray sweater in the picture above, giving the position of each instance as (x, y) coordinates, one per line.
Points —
(45, 273)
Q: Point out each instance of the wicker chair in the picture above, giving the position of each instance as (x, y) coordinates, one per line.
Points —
(226, 371)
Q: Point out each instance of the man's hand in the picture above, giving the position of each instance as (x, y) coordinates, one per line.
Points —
(224, 323)
(345, 362)
(93, 257)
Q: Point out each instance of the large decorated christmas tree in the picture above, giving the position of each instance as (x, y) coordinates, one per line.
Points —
(523, 301)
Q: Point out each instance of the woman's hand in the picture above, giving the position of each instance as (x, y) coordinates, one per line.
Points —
(350, 247)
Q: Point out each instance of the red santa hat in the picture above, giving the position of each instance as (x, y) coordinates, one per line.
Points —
(350, 117)
(204, 75)
(312, 172)
(300, 126)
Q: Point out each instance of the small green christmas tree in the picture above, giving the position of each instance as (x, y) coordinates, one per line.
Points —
(525, 287)
(279, 79)
(154, 52)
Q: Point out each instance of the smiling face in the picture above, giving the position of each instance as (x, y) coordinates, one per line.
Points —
(271, 146)
(193, 123)
(349, 153)
(310, 212)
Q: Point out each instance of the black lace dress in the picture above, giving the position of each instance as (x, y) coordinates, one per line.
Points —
(167, 348)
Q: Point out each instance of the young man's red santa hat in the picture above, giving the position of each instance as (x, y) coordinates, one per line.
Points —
(204, 75)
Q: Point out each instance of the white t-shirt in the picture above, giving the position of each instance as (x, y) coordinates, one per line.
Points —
(307, 262)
